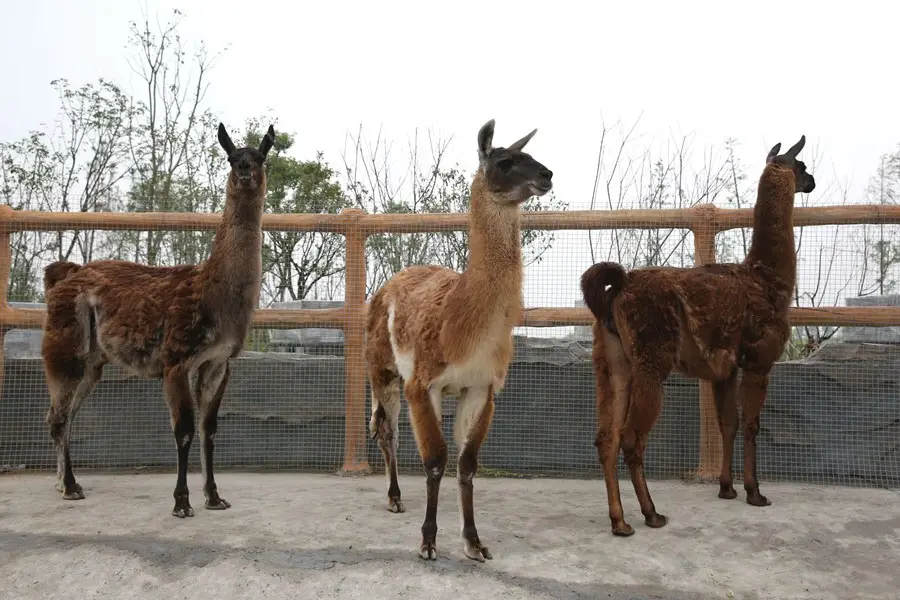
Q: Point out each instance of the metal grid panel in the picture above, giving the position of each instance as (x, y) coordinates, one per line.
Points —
(831, 415)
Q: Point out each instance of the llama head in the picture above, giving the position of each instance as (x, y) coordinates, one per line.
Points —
(511, 175)
(803, 182)
(248, 170)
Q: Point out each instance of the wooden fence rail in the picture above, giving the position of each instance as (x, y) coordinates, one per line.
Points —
(705, 221)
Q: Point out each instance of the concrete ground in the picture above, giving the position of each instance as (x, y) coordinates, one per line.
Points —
(322, 536)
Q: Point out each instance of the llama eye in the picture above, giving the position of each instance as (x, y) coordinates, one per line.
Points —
(505, 165)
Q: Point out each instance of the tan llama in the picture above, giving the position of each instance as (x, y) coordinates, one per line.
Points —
(448, 333)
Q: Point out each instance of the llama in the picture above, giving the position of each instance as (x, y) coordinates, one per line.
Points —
(706, 322)
(447, 333)
(180, 324)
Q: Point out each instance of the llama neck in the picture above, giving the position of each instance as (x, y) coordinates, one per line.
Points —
(772, 243)
(236, 258)
(495, 251)
(486, 302)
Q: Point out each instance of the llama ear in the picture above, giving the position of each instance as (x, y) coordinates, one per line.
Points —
(225, 141)
(486, 140)
(518, 145)
(267, 142)
(773, 153)
(796, 148)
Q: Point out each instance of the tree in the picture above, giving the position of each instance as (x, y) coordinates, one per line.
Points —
(881, 245)
(77, 167)
(627, 179)
(171, 141)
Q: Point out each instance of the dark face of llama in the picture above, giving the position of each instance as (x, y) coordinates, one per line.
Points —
(248, 170)
(511, 174)
(803, 182)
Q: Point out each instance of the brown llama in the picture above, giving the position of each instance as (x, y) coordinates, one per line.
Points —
(706, 322)
(180, 324)
(447, 333)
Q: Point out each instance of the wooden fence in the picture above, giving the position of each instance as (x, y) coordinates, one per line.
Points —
(705, 221)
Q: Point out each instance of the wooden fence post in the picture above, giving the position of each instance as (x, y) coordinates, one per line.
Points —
(355, 437)
(705, 229)
(5, 268)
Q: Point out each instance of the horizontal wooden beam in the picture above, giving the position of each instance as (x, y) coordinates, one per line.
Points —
(815, 216)
(267, 318)
(334, 318)
(870, 316)
(720, 219)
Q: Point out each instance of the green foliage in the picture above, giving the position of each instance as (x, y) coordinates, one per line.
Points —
(296, 262)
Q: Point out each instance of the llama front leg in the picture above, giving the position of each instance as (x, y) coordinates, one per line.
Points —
(726, 413)
(211, 383)
(385, 424)
(475, 410)
(181, 408)
(753, 396)
(433, 450)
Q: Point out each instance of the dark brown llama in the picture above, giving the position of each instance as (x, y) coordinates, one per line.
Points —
(445, 333)
(180, 324)
(705, 322)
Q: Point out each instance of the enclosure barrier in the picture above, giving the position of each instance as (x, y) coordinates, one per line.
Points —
(705, 221)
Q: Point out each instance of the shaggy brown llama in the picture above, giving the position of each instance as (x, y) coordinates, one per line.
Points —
(180, 324)
(706, 322)
(445, 333)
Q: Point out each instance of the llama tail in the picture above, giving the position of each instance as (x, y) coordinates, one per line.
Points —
(593, 287)
(57, 271)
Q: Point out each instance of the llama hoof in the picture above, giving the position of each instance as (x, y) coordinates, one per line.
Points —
(757, 499)
(623, 530)
(217, 503)
(182, 512)
(656, 521)
(476, 551)
(395, 505)
(74, 492)
(59, 487)
(428, 551)
(727, 492)
(182, 508)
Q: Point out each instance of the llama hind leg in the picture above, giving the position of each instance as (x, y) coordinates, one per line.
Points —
(384, 424)
(475, 410)
(212, 380)
(634, 447)
(646, 403)
(66, 397)
(433, 450)
(612, 384)
(181, 408)
(726, 413)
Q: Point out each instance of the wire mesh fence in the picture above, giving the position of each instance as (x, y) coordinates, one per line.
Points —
(298, 397)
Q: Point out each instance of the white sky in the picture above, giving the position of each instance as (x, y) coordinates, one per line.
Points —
(762, 72)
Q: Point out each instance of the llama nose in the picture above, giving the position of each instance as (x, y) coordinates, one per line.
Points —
(547, 173)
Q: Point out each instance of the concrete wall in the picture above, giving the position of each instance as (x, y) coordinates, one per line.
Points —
(831, 419)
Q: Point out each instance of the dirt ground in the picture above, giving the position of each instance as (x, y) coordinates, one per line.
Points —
(322, 536)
